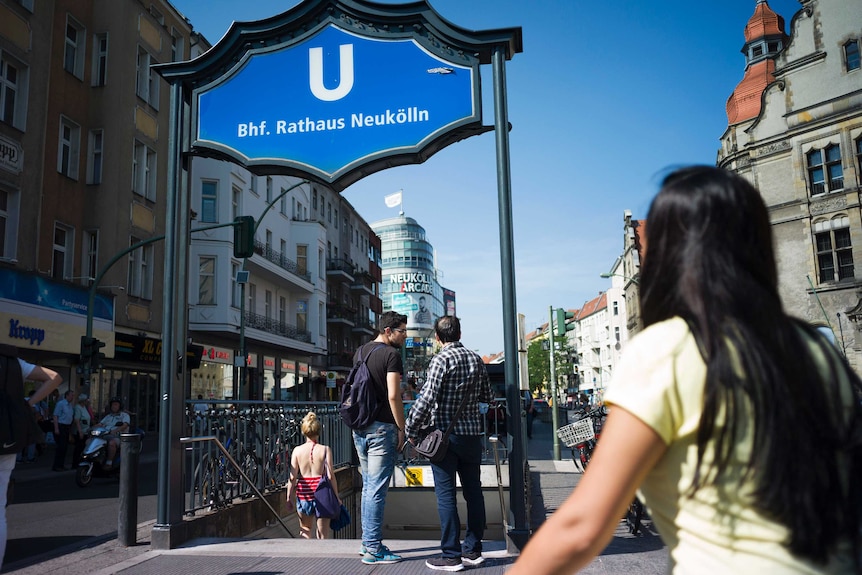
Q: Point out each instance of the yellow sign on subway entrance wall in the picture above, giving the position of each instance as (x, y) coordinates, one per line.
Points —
(413, 476)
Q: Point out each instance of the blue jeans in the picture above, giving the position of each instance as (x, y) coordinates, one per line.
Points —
(376, 445)
(464, 456)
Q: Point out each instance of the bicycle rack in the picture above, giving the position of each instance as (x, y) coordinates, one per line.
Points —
(505, 516)
(233, 462)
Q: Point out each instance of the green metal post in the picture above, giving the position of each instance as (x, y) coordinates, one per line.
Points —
(519, 529)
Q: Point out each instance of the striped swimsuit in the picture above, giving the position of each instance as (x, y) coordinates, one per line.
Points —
(306, 485)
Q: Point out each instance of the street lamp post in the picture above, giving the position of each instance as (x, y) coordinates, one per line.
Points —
(608, 275)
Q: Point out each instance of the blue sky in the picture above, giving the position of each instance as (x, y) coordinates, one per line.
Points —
(605, 98)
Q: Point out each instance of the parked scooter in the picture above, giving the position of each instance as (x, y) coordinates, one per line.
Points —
(94, 456)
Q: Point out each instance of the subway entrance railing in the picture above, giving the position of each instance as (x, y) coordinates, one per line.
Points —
(260, 435)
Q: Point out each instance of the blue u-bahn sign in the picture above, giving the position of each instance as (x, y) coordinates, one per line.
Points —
(335, 100)
(338, 89)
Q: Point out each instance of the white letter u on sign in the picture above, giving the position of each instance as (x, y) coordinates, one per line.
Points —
(315, 74)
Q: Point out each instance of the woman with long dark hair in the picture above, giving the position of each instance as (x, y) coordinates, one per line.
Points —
(740, 424)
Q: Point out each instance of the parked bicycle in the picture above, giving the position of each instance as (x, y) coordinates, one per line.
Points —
(582, 435)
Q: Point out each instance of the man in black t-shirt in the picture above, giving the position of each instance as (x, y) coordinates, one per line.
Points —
(379, 443)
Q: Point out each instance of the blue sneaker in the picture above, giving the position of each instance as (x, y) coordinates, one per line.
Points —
(363, 550)
(383, 557)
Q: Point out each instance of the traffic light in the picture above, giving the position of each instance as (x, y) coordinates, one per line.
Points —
(90, 354)
(243, 237)
(97, 357)
(561, 325)
(86, 349)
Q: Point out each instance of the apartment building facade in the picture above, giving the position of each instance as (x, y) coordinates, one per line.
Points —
(299, 306)
(84, 137)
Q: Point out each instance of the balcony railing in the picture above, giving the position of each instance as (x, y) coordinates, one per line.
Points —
(281, 260)
(363, 323)
(336, 312)
(274, 326)
(340, 266)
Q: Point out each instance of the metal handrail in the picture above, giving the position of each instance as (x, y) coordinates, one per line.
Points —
(233, 462)
(495, 441)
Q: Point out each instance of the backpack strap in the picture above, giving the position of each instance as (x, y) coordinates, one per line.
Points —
(373, 349)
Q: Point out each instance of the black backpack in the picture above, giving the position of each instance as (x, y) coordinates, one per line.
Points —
(359, 401)
(15, 414)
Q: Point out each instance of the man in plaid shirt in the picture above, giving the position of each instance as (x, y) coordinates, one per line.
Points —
(453, 372)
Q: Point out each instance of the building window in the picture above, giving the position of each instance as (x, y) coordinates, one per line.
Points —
(13, 91)
(282, 310)
(91, 254)
(267, 304)
(616, 308)
(252, 298)
(206, 281)
(95, 157)
(73, 57)
(69, 149)
(61, 263)
(100, 59)
(147, 81)
(140, 270)
(268, 190)
(209, 201)
(314, 200)
(154, 12)
(234, 286)
(235, 198)
(321, 261)
(302, 259)
(329, 212)
(144, 171)
(834, 250)
(859, 154)
(177, 46)
(851, 55)
(302, 315)
(824, 169)
(253, 186)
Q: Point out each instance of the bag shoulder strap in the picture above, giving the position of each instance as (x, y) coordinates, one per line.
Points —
(456, 417)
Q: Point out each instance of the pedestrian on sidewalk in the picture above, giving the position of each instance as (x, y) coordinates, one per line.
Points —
(740, 424)
(80, 427)
(13, 372)
(306, 470)
(455, 375)
(378, 443)
(63, 414)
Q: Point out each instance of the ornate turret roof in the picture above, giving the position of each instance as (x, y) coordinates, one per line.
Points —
(764, 22)
(764, 39)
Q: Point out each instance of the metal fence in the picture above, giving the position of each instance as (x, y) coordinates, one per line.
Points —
(259, 435)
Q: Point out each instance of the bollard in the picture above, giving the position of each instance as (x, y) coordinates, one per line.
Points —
(127, 520)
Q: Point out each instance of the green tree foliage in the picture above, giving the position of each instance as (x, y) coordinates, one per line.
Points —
(539, 363)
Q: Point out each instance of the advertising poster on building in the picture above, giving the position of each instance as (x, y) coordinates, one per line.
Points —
(413, 298)
(449, 301)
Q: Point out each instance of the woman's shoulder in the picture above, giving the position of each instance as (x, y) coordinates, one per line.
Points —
(664, 336)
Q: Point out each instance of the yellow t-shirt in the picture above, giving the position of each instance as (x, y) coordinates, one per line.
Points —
(660, 380)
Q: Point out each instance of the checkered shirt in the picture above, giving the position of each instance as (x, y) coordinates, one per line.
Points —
(452, 372)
